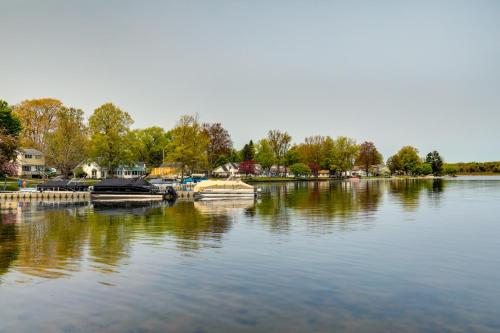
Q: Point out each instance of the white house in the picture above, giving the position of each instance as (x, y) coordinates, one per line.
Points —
(132, 171)
(226, 170)
(95, 171)
(31, 162)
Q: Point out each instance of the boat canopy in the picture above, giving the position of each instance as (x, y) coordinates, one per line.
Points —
(222, 184)
(120, 182)
(62, 185)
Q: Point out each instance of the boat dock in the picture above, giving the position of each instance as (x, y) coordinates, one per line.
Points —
(10, 200)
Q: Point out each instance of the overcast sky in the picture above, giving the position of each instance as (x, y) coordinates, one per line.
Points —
(423, 73)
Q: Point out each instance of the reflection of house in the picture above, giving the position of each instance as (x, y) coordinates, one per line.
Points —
(226, 170)
(94, 170)
(167, 170)
(31, 162)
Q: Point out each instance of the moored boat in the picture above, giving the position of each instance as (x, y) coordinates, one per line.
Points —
(224, 189)
(128, 189)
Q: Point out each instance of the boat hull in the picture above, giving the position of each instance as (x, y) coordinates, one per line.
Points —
(126, 197)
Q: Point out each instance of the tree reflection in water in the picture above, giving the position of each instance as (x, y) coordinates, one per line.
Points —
(9, 249)
(53, 241)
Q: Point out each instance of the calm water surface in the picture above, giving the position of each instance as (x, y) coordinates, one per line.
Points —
(373, 256)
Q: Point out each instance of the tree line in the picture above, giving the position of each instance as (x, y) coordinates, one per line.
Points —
(66, 139)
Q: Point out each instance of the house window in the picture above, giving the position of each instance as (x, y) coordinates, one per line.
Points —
(26, 167)
(39, 168)
(28, 156)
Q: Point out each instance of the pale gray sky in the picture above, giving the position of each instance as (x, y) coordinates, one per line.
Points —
(424, 73)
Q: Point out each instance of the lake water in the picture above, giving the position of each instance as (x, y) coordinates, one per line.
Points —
(373, 256)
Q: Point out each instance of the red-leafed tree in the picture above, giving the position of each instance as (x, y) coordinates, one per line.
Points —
(368, 156)
(247, 167)
(314, 168)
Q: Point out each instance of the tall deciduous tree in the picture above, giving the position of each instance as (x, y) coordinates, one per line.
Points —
(265, 155)
(189, 144)
(150, 145)
(343, 154)
(38, 120)
(406, 161)
(280, 143)
(66, 145)
(109, 136)
(311, 149)
(368, 156)
(219, 144)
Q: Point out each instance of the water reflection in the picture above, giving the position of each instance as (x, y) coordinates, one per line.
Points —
(8, 243)
(52, 240)
(309, 256)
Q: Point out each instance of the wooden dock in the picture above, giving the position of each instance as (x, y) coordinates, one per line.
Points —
(10, 200)
(47, 195)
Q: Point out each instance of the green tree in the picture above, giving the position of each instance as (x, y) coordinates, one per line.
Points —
(368, 156)
(394, 164)
(109, 137)
(300, 169)
(343, 154)
(65, 145)
(189, 144)
(423, 169)
(9, 123)
(434, 159)
(311, 151)
(248, 151)
(234, 156)
(280, 144)
(149, 145)
(265, 155)
(10, 127)
(409, 159)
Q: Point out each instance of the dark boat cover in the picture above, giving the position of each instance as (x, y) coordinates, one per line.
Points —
(62, 185)
(137, 185)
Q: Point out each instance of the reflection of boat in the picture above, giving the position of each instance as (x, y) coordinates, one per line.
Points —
(128, 189)
(223, 206)
(133, 207)
(224, 189)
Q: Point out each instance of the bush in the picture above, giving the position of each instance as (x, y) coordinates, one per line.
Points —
(423, 169)
(80, 173)
(300, 169)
